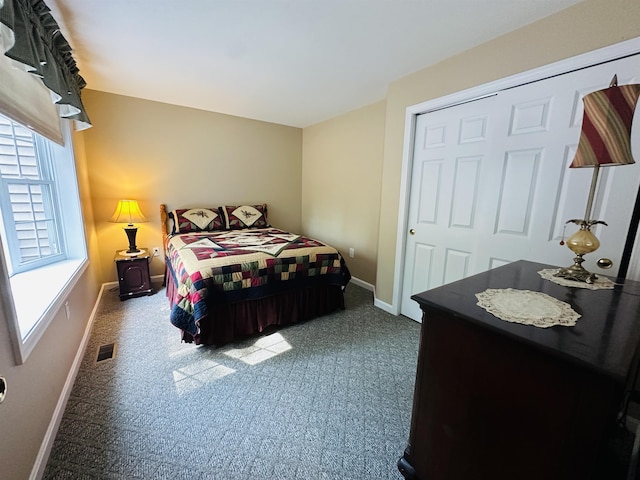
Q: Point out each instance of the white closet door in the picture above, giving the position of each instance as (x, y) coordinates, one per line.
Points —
(448, 173)
(490, 182)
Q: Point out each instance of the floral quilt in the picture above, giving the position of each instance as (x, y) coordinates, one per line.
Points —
(237, 265)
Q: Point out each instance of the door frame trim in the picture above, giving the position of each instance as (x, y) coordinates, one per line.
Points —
(585, 60)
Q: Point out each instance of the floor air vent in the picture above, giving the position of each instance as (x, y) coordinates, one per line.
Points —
(106, 352)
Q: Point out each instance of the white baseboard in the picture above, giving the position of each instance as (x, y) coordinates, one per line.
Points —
(363, 284)
(47, 443)
(385, 306)
(376, 302)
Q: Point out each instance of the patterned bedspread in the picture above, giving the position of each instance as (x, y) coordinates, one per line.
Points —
(236, 265)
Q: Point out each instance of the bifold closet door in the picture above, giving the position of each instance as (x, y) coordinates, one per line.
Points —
(490, 182)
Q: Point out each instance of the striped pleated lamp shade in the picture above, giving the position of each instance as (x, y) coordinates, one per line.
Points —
(605, 138)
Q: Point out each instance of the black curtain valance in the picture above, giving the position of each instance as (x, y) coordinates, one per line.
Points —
(33, 39)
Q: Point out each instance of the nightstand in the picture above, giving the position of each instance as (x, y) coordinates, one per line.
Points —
(134, 279)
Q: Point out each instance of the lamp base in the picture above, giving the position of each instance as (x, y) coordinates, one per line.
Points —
(131, 232)
(577, 272)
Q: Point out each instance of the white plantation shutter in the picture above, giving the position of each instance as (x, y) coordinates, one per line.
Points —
(28, 198)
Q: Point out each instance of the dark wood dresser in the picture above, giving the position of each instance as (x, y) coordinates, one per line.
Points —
(499, 400)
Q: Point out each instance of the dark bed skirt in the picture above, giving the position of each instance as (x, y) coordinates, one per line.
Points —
(228, 322)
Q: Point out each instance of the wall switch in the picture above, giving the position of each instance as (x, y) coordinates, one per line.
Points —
(352, 252)
(156, 252)
(67, 309)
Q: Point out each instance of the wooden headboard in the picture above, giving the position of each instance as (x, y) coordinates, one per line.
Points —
(164, 222)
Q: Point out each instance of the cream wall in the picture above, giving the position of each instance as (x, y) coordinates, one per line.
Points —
(142, 149)
(584, 27)
(184, 157)
(341, 175)
(33, 388)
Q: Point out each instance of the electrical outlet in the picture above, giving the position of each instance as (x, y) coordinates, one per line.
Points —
(67, 309)
(156, 252)
(352, 252)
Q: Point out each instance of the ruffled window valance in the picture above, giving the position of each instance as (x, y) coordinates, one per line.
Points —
(30, 36)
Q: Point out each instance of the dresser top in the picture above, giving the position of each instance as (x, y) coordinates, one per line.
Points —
(605, 338)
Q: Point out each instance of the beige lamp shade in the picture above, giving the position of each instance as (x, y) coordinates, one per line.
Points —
(128, 212)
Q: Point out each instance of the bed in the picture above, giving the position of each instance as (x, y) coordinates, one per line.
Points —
(229, 274)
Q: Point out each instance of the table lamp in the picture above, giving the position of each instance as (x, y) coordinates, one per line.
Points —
(605, 140)
(129, 212)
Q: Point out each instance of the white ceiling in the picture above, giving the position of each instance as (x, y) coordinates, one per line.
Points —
(292, 62)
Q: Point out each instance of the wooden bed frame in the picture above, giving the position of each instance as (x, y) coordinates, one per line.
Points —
(226, 322)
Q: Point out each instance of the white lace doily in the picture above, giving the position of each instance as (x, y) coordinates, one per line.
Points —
(600, 283)
(527, 307)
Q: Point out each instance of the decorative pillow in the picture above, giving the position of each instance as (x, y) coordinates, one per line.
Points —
(245, 216)
(187, 220)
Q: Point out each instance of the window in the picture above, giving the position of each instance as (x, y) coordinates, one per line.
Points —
(28, 196)
(41, 228)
